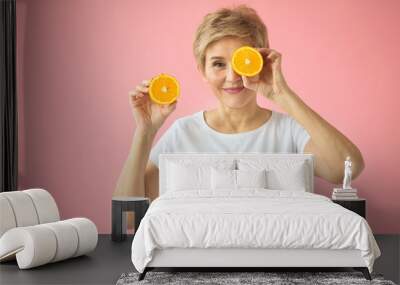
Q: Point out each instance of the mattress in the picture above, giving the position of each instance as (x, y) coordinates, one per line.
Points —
(250, 219)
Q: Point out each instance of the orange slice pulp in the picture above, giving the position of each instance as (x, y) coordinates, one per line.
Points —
(247, 61)
(164, 89)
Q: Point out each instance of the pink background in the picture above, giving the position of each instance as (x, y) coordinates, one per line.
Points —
(77, 60)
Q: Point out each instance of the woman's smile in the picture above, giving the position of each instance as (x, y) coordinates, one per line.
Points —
(233, 90)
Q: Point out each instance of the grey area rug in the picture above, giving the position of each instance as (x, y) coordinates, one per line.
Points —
(225, 278)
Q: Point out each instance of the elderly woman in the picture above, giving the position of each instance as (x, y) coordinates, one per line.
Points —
(238, 123)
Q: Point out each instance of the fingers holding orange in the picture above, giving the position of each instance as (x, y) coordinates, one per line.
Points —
(146, 82)
(272, 62)
(137, 98)
(267, 52)
(270, 56)
(168, 109)
(274, 57)
(140, 94)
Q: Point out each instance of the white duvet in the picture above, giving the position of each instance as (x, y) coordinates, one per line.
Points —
(251, 218)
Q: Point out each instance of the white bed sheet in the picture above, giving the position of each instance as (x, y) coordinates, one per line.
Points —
(250, 218)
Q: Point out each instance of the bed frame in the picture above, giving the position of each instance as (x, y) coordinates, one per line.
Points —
(240, 259)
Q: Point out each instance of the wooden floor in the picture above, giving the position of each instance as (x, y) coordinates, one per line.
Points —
(111, 259)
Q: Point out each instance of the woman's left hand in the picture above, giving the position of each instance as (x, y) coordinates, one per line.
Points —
(270, 81)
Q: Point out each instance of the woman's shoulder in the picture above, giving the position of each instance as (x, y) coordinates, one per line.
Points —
(189, 121)
(281, 118)
(287, 124)
(284, 121)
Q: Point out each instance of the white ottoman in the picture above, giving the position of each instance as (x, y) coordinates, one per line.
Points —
(31, 232)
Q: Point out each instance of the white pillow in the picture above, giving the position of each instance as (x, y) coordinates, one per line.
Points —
(287, 178)
(184, 177)
(236, 179)
(251, 178)
(282, 174)
(223, 179)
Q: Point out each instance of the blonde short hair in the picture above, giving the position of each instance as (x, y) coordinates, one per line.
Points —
(242, 22)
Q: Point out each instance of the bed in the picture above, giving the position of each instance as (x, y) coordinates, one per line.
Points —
(247, 210)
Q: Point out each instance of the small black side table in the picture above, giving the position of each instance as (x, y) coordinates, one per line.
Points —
(120, 205)
(358, 206)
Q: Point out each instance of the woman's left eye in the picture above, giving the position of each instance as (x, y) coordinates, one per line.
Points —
(219, 64)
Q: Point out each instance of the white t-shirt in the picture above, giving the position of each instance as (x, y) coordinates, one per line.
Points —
(280, 134)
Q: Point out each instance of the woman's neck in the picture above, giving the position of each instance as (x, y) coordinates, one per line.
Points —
(229, 120)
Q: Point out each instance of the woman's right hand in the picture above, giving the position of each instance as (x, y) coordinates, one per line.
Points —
(149, 115)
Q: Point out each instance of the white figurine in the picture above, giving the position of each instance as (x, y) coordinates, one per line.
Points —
(347, 174)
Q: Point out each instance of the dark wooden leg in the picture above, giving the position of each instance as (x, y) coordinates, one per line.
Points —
(138, 216)
(118, 222)
(143, 274)
(140, 211)
(364, 271)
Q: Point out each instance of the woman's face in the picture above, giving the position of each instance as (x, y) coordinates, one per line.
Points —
(218, 73)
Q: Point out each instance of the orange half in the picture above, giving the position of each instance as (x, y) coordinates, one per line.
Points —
(164, 89)
(247, 61)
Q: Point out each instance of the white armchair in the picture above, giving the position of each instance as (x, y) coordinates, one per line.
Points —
(32, 233)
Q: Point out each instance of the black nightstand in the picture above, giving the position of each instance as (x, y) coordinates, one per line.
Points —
(358, 206)
(121, 205)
